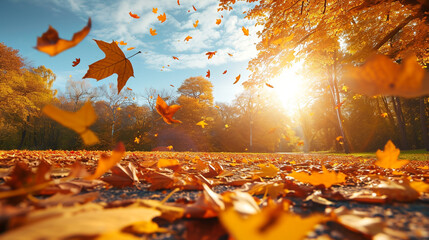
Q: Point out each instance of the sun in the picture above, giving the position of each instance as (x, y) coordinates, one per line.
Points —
(289, 88)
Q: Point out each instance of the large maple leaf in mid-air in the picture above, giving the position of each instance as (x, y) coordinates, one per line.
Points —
(166, 111)
(50, 42)
(114, 62)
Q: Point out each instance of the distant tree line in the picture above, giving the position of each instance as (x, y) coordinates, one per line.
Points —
(255, 121)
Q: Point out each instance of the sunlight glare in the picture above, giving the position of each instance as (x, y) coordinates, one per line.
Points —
(289, 88)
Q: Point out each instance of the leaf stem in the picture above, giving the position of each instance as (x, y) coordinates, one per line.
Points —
(134, 54)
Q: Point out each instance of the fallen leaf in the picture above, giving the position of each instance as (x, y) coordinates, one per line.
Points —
(396, 191)
(166, 111)
(162, 17)
(202, 124)
(208, 74)
(155, 10)
(105, 162)
(188, 38)
(245, 31)
(389, 157)
(210, 54)
(326, 178)
(167, 163)
(269, 171)
(78, 121)
(134, 15)
(114, 62)
(76, 62)
(153, 32)
(218, 21)
(51, 44)
(122, 176)
(196, 24)
(380, 75)
(237, 79)
(130, 48)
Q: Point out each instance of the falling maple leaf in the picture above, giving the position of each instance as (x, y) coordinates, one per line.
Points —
(114, 62)
(389, 157)
(326, 178)
(178, 3)
(384, 115)
(224, 72)
(339, 138)
(345, 88)
(137, 140)
(230, 54)
(166, 111)
(218, 21)
(171, 85)
(153, 32)
(245, 31)
(78, 121)
(130, 48)
(202, 124)
(269, 85)
(175, 58)
(122, 43)
(155, 10)
(76, 62)
(237, 79)
(208, 74)
(162, 17)
(194, 8)
(210, 54)
(196, 24)
(107, 162)
(134, 15)
(187, 38)
(380, 75)
(129, 89)
(51, 44)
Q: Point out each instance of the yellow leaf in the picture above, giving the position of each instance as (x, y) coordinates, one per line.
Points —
(78, 121)
(326, 178)
(202, 124)
(146, 227)
(420, 186)
(269, 171)
(116, 235)
(163, 163)
(105, 162)
(269, 224)
(389, 157)
(137, 140)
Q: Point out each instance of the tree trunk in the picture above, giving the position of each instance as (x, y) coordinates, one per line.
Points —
(401, 124)
(423, 123)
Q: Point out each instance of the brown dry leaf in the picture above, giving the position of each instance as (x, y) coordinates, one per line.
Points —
(51, 44)
(114, 62)
(380, 75)
(92, 221)
(76, 62)
(396, 191)
(326, 178)
(208, 74)
(78, 121)
(122, 176)
(107, 162)
(389, 157)
(166, 111)
(168, 212)
(270, 224)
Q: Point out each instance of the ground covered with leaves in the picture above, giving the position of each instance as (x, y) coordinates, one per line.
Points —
(184, 195)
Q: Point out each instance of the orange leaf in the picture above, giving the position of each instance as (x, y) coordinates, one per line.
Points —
(384, 115)
(194, 8)
(167, 163)
(202, 124)
(224, 72)
(77, 121)
(208, 74)
(130, 48)
(162, 18)
(137, 140)
(105, 163)
(166, 111)
(129, 89)
(188, 38)
(389, 157)
(171, 85)
(122, 43)
(178, 3)
(269, 85)
(114, 62)
(76, 62)
(155, 10)
(237, 79)
(51, 44)
(230, 54)
(326, 178)
(210, 54)
(245, 31)
(175, 58)
(218, 21)
(134, 15)
(196, 24)
(153, 32)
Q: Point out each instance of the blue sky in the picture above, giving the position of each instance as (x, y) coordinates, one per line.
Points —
(25, 20)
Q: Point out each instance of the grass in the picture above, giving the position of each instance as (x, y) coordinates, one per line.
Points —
(419, 154)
